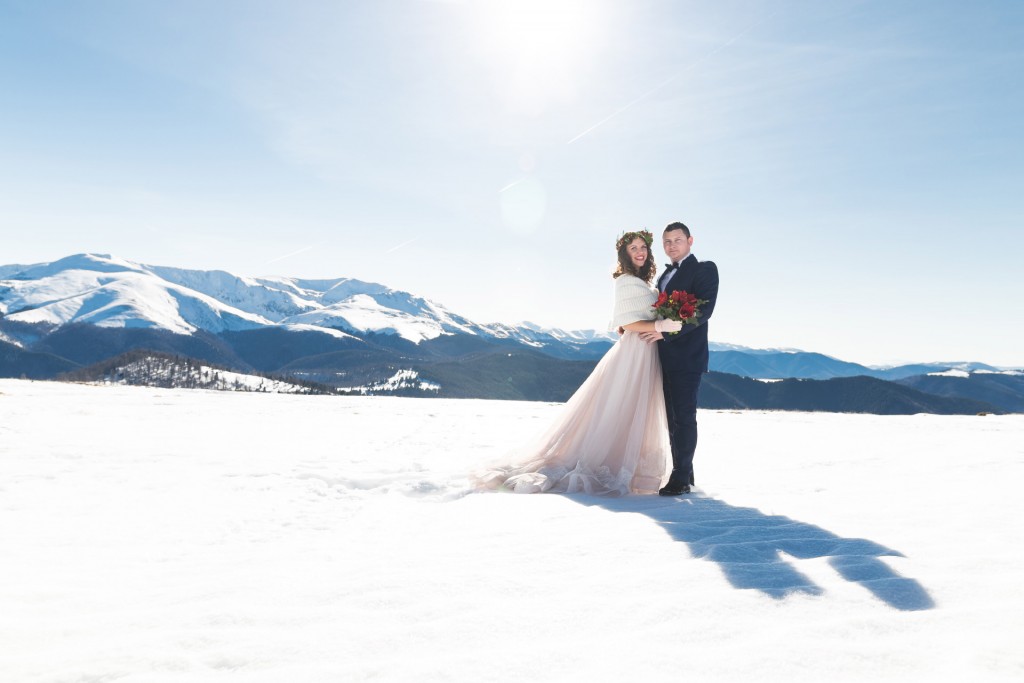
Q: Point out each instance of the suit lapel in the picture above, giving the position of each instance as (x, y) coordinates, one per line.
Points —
(684, 269)
(662, 280)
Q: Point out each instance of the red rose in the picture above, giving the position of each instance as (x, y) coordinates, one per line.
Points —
(680, 305)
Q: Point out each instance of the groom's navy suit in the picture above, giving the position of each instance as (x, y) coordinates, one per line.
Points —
(684, 357)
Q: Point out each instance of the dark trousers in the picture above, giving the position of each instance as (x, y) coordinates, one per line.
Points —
(681, 405)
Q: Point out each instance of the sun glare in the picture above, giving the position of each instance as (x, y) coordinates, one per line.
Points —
(538, 49)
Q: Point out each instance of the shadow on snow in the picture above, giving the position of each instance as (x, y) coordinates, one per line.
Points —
(748, 546)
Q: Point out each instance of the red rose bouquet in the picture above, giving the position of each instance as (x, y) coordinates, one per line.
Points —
(680, 305)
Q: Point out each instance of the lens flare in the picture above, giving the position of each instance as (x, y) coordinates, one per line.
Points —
(523, 204)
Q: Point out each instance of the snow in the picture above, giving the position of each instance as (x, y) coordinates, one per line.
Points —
(721, 346)
(101, 263)
(172, 535)
(402, 379)
(578, 336)
(206, 377)
(337, 334)
(963, 374)
(125, 298)
(361, 312)
(268, 300)
(112, 292)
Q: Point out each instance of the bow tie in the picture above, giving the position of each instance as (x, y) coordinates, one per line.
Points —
(672, 265)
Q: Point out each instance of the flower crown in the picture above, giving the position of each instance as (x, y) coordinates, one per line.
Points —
(628, 237)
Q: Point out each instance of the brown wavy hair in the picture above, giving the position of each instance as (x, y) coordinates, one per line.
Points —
(625, 265)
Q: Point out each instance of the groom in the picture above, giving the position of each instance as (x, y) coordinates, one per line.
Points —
(684, 355)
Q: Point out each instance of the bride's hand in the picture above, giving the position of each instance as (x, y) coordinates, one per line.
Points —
(667, 325)
(651, 337)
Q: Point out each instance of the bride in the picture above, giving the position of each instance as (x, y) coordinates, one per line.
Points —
(612, 436)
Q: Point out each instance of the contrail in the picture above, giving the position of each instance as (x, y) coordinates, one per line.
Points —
(282, 258)
(511, 185)
(661, 85)
(403, 244)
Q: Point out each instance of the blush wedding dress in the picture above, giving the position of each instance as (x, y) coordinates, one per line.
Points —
(611, 437)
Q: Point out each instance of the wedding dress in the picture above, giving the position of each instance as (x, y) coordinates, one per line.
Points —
(611, 437)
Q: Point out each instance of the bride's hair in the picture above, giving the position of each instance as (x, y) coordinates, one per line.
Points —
(625, 265)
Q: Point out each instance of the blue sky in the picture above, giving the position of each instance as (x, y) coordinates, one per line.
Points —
(854, 168)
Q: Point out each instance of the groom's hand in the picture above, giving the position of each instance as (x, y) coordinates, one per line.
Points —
(651, 337)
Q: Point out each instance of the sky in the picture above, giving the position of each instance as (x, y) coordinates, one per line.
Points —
(854, 168)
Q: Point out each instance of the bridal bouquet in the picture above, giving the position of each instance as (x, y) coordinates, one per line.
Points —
(680, 305)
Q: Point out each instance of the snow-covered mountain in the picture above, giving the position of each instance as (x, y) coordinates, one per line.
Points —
(86, 309)
(107, 291)
(720, 346)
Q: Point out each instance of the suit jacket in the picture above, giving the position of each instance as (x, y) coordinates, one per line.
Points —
(687, 350)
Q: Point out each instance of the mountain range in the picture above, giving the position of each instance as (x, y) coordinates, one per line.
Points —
(86, 310)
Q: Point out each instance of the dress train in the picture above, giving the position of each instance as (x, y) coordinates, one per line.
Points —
(610, 439)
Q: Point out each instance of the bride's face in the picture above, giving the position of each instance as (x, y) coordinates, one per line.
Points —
(637, 251)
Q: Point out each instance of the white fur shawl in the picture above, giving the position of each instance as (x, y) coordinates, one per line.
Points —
(633, 299)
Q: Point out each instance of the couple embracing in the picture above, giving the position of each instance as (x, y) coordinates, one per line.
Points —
(639, 405)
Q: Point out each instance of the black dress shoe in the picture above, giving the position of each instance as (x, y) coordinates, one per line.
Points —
(674, 490)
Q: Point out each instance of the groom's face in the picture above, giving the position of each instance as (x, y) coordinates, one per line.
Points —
(676, 244)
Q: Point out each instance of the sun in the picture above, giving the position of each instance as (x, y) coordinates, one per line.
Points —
(537, 50)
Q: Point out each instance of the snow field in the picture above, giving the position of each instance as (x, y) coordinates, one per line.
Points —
(175, 535)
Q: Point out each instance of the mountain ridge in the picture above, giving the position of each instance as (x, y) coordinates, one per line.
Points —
(360, 336)
(108, 291)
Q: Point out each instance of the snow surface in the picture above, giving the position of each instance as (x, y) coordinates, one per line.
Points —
(953, 372)
(403, 379)
(203, 376)
(363, 312)
(172, 535)
(10, 340)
